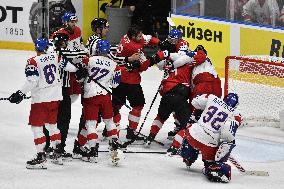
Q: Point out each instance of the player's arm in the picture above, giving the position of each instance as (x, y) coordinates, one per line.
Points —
(200, 102)
(32, 77)
(149, 40)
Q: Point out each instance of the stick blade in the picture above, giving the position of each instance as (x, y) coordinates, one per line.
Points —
(256, 173)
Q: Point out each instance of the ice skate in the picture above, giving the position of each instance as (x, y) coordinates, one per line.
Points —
(39, 162)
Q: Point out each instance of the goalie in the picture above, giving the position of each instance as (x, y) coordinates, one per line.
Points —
(213, 135)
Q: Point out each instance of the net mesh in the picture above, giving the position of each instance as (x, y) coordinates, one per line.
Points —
(259, 82)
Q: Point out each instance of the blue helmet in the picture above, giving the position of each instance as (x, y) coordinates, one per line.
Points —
(41, 44)
(68, 16)
(175, 33)
(103, 46)
(231, 99)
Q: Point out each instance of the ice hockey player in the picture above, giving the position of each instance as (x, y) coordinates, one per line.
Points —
(175, 90)
(71, 88)
(213, 135)
(205, 79)
(103, 72)
(130, 87)
(174, 42)
(43, 80)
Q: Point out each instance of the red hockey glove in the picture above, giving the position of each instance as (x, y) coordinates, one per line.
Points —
(200, 57)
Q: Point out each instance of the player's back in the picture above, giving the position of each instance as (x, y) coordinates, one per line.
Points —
(214, 116)
(49, 87)
(101, 69)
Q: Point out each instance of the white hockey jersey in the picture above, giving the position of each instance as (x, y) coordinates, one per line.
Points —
(43, 78)
(217, 123)
(101, 70)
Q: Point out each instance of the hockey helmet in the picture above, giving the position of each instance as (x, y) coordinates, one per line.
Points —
(103, 46)
(41, 44)
(99, 23)
(175, 34)
(231, 99)
(69, 16)
(59, 38)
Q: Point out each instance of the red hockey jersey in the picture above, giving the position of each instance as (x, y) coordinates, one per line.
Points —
(180, 75)
(128, 47)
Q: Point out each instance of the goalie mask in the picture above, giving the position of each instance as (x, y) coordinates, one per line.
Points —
(231, 100)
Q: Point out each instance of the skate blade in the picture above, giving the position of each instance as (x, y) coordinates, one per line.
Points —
(57, 161)
(38, 166)
(93, 160)
(76, 156)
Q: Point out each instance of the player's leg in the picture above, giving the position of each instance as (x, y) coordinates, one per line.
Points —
(118, 98)
(164, 111)
(91, 109)
(64, 115)
(36, 120)
(136, 99)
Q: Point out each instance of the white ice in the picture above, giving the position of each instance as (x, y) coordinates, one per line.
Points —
(258, 148)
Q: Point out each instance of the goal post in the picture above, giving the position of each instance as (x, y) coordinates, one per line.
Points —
(259, 82)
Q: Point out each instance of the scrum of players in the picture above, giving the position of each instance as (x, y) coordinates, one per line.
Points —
(106, 76)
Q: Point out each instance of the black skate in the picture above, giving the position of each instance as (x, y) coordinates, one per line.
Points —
(149, 140)
(91, 155)
(57, 155)
(38, 162)
(132, 135)
(172, 134)
(77, 151)
(113, 146)
(173, 151)
(66, 156)
(48, 151)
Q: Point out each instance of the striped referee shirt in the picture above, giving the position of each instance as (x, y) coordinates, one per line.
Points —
(91, 45)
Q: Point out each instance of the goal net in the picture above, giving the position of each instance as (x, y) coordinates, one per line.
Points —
(259, 82)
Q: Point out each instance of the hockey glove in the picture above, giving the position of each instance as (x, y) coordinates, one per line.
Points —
(81, 73)
(200, 57)
(130, 66)
(17, 97)
(166, 45)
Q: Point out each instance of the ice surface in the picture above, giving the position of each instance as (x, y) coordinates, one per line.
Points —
(257, 149)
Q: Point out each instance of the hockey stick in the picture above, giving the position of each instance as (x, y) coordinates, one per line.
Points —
(131, 141)
(112, 94)
(137, 152)
(64, 55)
(158, 142)
(245, 172)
